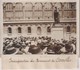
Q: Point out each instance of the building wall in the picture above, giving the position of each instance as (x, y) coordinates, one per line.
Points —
(38, 10)
(16, 14)
(57, 32)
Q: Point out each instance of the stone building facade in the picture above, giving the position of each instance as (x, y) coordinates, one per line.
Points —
(36, 19)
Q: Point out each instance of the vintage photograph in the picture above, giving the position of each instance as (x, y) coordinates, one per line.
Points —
(39, 28)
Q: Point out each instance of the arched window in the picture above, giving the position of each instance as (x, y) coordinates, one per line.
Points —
(28, 10)
(48, 29)
(28, 6)
(72, 5)
(18, 10)
(38, 10)
(9, 7)
(29, 29)
(9, 10)
(19, 30)
(18, 6)
(38, 30)
(48, 14)
(9, 30)
(48, 6)
(38, 6)
(68, 29)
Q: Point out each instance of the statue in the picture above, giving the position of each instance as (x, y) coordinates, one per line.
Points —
(56, 16)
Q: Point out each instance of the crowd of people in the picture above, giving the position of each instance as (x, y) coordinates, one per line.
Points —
(38, 45)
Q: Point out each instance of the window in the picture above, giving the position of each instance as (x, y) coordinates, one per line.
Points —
(68, 29)
(28, 10)
(38, 30)
(19, 30)
(38, 10)
(28, 6)
(9, 30)
(48, 11)
(48, 6)
(18, 7)
(9, 10)
(48, 29)
(72, 5)
(9, 7)
(38, 6)
(29, 29)
(19, 10)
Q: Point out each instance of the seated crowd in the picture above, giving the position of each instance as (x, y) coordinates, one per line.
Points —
(38, 45)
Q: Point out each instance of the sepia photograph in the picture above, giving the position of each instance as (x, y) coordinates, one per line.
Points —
(39, 28)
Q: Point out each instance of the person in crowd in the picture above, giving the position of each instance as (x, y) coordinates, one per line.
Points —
(38, 45)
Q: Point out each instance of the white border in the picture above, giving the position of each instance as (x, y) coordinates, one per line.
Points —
(77, 15)
(1, 22)
(39, 0)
